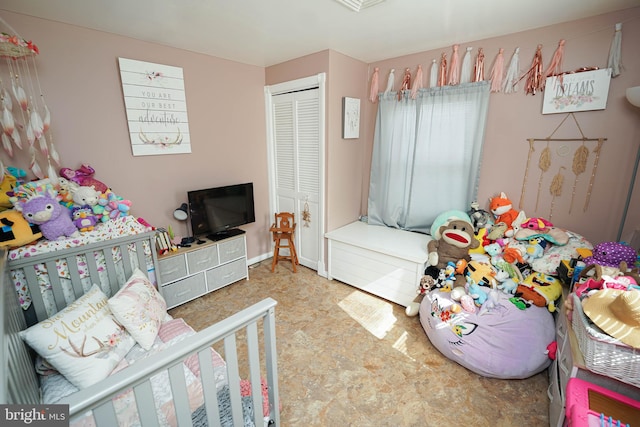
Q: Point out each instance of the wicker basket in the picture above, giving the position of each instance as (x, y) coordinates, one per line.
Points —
(602, 353)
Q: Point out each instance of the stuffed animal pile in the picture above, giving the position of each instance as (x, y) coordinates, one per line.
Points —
(492, 253)
(75, 204)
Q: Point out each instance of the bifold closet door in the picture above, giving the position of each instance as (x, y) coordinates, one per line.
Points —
(296, 122)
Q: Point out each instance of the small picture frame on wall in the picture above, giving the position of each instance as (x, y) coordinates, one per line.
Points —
(350, 118)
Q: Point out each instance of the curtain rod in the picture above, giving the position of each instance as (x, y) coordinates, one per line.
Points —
(566, 139)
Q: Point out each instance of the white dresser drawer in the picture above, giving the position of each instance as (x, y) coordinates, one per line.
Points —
(172, 269)
(231, 249)
(226, 274)
(184, 290)
(202, 259)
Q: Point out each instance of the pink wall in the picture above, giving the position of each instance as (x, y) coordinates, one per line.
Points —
(79, 73)
(515, 118)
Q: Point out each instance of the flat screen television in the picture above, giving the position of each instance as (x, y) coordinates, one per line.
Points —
(216, 212)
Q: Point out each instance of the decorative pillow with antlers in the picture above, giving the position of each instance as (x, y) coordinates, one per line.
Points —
(84, 341)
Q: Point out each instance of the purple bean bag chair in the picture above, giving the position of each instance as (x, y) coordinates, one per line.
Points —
(503, 342)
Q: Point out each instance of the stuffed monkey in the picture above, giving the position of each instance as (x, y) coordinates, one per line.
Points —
(452, 243)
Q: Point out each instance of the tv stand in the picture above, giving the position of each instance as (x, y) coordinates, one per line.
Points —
(232, 232)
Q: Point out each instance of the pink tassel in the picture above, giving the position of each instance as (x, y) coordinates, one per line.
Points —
(34, 166)
(454, 67)
(54, 153)
(21, 96)
(373, 94)
(555, 66)
(7, 122)
(535, 74)
(478, 71)
(31, 138)
(442, 74)
(47, 119)
(497, 72)
(417, 83)
(406, 83)
(36, 124)
(42, 142)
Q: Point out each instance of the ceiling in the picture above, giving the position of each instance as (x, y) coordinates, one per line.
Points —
(268, 32)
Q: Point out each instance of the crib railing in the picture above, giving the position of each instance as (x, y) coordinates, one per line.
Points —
(98, 397)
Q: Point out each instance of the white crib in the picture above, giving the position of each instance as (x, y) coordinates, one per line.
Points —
(19, 383)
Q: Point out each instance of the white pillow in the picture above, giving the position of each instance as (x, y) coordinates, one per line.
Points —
(139, 308)
(84, 342)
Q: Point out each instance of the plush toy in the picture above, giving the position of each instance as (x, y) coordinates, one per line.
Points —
(83, 196)
(83, 177)
(502, 208)
(66, 189)
(541, 290)
(478, 293)
(114, 206)
(15, 230)
(452, 234)
(479, 217)
(83, 218)
(480, 273)
(427, 283)
(6, 186)
(535, 249)
(53, 218)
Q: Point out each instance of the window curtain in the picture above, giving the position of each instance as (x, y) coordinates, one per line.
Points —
(426, 154)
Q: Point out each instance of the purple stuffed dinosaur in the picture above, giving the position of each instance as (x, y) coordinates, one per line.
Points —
(53, 218)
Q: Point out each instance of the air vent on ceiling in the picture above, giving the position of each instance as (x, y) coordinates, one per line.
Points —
(357, 5)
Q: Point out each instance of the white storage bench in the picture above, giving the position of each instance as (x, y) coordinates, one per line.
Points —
(383, 261)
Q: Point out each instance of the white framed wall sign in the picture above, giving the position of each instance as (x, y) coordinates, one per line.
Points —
(350, 118)
(156, 107)
(583, 91)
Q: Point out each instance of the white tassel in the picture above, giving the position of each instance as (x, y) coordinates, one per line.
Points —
(390, 80)
(433, 78)
(615, 52)
(34, 166)
(465, 68)
(6, 144)
(511, 78)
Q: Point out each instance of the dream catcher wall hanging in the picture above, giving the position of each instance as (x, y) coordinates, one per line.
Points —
(25, 117)
(547, 160)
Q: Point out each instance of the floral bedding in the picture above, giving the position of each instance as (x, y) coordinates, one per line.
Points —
(114, 228)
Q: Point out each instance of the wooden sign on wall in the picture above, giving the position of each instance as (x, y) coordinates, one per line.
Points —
(584, 91)
(156, 106)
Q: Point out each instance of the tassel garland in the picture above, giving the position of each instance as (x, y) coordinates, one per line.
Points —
(478, 71)
(465, 69)
(511, 78)
(454, 67)
(615, 52)
(417, 83)
(534, 76)
(555, 66)
(497, 72)
(406, 83)
(433, 77)
(373, 93)
(390, 81)
(442, 73)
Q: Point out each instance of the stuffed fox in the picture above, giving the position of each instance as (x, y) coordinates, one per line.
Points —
(502, 208)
